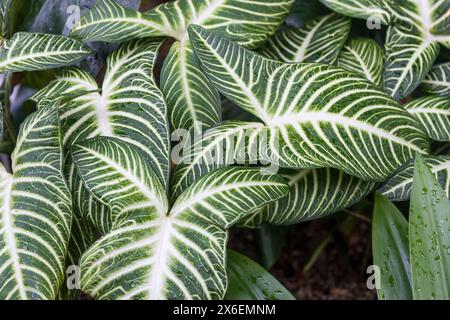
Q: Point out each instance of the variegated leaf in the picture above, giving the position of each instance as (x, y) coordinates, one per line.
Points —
(318, 115)
(314, 194)
(249, 22)
(409, 58)
(363, 9)
(398, 188)
(128, 105)
(437, 82)
(220, 146)
(434, 114)
(38, 51)
(153, 252)
(430, 18)
(192, 100)
(320, 40)
(363, 56)
(35, 214)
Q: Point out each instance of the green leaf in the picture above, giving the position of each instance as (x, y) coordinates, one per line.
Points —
(429, 243)
(176, 253)
(250, 281)
(390, 250)
(270, 241)
(128, 105)
(363, 9)
(363, 56)
(35, 214)
(314, 194)
(218, 147)
(437, 82)
(10, 11)
(191, 98)
(434, 114)
(319, 115)
(38, 51)
(320, 40)
(409, 58)
(398, 188)
(110, 21)
(429, 17)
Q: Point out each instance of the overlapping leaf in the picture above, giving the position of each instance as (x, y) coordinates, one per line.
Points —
(437, 82)
(417, 28)
(363, 56)
(316, 115)
(35, 216)
(363, 9)
(398, 188)
(434, 114)
(153, 252)
(314, 194)
(320, 40)
(38, 51)
(391, 251)
(192, 99)
(128, 105)
(409, 58)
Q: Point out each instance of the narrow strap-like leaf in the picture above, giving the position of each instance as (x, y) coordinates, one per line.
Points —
(314, 194)
(398, 188)
(320, 40)
(249, 281)
(429, 240)
(437, 82)
(38, 51)
(35, 216)
(363, 56)
(321, 115)
(391, 251)
(434, 114)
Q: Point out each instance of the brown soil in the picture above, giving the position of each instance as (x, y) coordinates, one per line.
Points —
(339, 272)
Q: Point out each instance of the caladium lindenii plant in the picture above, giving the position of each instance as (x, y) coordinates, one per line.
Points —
(326, 116)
